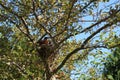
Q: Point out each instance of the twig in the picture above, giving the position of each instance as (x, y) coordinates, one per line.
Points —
(25, 25)
(19, 68)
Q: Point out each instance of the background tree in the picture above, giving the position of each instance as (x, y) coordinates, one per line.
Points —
(101, 64)
(112, 65)
(32, 20)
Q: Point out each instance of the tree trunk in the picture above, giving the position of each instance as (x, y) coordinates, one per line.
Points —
(49, 76)
(47, 55)
(48, 72)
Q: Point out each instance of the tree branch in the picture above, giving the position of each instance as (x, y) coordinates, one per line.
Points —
(67, 37)
(68, 17)
(9, 10)
(92, 35)
(87, 5)
(25, 24)
(23, 31)
(34, 9)
(81, 47)
(102, 20)
(19, 68)
(113, 46)
(20, 17)
(68, 21)
(59, 33)
(48, 32)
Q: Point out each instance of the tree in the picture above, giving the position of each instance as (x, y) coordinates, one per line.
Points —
(61, 20)
(112, 65)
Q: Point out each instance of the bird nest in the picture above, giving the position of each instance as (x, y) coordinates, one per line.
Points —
(46, 52)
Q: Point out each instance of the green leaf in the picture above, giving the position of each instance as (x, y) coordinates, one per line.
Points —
(0, 35)
(110, 77)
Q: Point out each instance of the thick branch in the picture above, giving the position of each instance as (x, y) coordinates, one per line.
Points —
(67, 20)
(59, 44)
(24, 22)
(59, 33)
(82, 46)
(65, 39)
(65, 60)
(19, 68)
(87, 5)
(68, 17)
(92, 35)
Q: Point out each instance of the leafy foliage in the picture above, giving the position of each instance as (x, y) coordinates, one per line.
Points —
(25, 22)
(112, 66)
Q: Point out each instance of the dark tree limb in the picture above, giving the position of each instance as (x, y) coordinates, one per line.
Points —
(92, 35)
(87, 5)
(65, 39)
(81, 47)
(25, 25)
(34, 9)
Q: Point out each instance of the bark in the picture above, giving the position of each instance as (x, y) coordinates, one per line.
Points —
(48, 72)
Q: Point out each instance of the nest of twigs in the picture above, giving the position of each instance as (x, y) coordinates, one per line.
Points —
(46, 52)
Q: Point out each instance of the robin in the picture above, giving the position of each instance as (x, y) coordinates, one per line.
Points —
(44, 41)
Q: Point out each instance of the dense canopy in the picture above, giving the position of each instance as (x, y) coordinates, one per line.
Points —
(57, 39)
